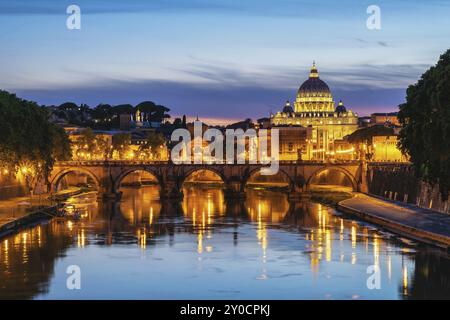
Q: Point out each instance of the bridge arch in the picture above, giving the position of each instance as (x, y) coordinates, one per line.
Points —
(344, 171)
(61, 174)
(254, 173)
(213, 170)
(118, 181)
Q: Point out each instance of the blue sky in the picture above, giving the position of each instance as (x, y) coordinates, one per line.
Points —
(218, 58)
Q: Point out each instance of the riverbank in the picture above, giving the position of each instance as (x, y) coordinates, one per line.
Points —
(330, 195)
(13, 225)
(330, 198)
(413, 222)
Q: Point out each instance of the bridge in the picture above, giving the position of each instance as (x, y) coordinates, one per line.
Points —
(108, 175)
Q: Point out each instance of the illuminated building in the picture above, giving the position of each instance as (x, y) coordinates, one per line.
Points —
(139, 120)
(314, 107)
(377, 143)
(385, 149)
(294, 143)
(384, 119)
(344, 150)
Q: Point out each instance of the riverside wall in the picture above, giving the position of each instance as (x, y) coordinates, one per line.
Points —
(399, 183)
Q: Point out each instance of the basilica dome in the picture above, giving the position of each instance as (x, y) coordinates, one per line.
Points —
(314, 95)
(314, 86)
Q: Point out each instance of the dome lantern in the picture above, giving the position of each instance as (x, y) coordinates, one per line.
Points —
(314, 73)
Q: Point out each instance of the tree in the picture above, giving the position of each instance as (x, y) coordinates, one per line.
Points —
(68, 106)
(153, 145)
(72, 112)
(177, 122)
(92, 146)
(121, 144)
(153, 112)
(85, 144)
(425, 118)
(123, 109)
(103, 147)
(102, 112)
(29, 142)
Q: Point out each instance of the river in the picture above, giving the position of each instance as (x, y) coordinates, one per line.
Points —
(206, 248)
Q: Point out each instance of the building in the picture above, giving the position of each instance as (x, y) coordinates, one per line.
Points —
(377, 143)
(140, 121)
(385, 149)
(389, 118)
(344, 150)
(293, 143)
(70, 130)
(314, 107)
(263, 123)
(364, 121)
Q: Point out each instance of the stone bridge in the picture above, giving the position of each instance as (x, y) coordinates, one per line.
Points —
(108, 175)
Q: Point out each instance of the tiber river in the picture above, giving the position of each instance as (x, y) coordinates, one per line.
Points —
(204, 248)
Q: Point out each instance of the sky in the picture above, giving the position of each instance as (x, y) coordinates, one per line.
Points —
(222, 60)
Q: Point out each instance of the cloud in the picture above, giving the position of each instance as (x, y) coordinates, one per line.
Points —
(210, 100)
(369, 76)
(376, 76)
(367, 43)
(50, 7)
(283, 8)
(224, 90)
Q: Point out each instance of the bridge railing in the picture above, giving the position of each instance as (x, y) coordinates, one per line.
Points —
(143, 163)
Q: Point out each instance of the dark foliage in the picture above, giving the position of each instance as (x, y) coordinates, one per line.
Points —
(425, 118)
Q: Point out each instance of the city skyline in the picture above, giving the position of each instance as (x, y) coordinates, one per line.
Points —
(216, 59)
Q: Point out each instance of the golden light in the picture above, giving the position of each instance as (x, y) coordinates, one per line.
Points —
(353, 236)
(405, 280)
(389, 264)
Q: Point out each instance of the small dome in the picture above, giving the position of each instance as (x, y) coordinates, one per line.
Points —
(340, 108)
(287, 108)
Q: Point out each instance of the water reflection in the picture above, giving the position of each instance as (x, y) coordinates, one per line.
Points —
(205, 247)
(140, 205)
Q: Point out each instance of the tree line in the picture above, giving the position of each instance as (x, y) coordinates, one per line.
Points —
(106, 116)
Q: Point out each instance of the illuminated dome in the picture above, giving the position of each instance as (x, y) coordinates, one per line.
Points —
(314, 95)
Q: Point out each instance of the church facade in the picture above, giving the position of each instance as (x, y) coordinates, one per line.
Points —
(314, 108)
